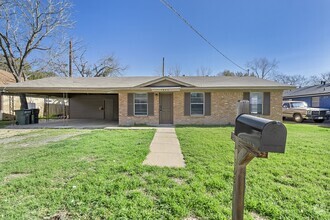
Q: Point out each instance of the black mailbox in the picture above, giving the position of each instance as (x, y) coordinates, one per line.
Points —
(266, 135)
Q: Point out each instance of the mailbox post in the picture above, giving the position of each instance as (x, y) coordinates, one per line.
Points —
(253, 137)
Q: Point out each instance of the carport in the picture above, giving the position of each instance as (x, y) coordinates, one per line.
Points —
(76, 98)
(87, 106)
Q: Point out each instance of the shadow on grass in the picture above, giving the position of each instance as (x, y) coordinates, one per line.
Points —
(325, 124)
(4, 124)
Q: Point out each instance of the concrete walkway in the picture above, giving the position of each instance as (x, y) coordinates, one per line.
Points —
(165, 150)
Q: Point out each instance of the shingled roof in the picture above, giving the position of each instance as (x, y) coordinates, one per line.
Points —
(322, 89)
(6, 78)
(104, 84)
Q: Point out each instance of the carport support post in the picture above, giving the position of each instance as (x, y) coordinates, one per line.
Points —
(63, 106)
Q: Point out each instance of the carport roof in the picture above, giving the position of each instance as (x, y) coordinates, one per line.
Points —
(108, 84)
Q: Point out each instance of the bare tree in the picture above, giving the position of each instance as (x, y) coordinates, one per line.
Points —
(175, 71)
(295, 80)
(230, 73)
(263, 68)
(316, 79)
(57, 59)
(57, 62)
(27, 27)
(203, 71)
(105, 67)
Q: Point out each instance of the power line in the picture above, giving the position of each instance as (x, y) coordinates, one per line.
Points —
(198, 33)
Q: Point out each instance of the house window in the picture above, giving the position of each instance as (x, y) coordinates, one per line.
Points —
(141, 104)
(256, 102)
(197, 103)
(316, 102)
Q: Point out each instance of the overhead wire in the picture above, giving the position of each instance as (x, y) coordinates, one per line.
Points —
(169, 6)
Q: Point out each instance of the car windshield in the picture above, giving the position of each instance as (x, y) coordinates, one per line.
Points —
(299, 104)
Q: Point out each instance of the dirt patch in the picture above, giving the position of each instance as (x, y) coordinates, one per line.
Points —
(17, 138)
(60, 137)
(13, 176)
(61, 215)
(6, 133)
(179, 181)
(257, 216)
(44, 139)
(191, 218)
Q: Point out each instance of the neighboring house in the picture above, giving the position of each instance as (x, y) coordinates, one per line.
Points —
(315, 96)
(5, 78)
(161, 100)
(11, 102)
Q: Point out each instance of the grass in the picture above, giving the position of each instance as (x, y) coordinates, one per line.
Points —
(5, 123)
(99, 174)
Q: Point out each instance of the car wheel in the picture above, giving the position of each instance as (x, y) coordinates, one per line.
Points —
(297, 118)
(318, 120)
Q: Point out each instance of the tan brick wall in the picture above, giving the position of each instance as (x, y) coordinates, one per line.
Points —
(179, 118)
(126, 120)
(276, 98)
(223, 108)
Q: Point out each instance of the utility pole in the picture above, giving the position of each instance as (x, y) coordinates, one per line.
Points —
(163, 72)
(70, 58)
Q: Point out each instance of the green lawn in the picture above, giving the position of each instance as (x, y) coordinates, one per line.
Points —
(98, 174)
(5, 123)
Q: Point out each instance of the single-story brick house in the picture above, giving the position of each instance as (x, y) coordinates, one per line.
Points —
(317, 96)
(161, 100)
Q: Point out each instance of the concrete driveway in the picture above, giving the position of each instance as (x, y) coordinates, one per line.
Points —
(68, 123)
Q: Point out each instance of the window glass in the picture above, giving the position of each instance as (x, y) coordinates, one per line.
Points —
(197, 97)
(298, 104)
(286, 105)
(141, 104)
(315, 101)
(256, 102)
(197, 103)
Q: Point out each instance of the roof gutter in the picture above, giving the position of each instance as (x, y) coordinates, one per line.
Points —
(116, 90)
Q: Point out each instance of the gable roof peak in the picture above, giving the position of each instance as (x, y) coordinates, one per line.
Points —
(163, 79)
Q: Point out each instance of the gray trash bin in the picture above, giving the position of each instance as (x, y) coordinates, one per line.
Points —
(34, 116)
(23, 117)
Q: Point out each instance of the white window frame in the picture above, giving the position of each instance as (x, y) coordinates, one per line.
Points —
(199, 104)
(316, 101)
(140, 104)
(262, 103)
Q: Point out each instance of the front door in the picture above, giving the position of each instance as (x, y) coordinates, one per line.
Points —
(165, 108)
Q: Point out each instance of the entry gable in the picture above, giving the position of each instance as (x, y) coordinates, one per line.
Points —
(165, 82)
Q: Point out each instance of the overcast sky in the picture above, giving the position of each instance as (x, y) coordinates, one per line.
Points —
(140, 33)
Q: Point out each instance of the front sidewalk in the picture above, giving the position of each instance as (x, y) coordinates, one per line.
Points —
(165, 150)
